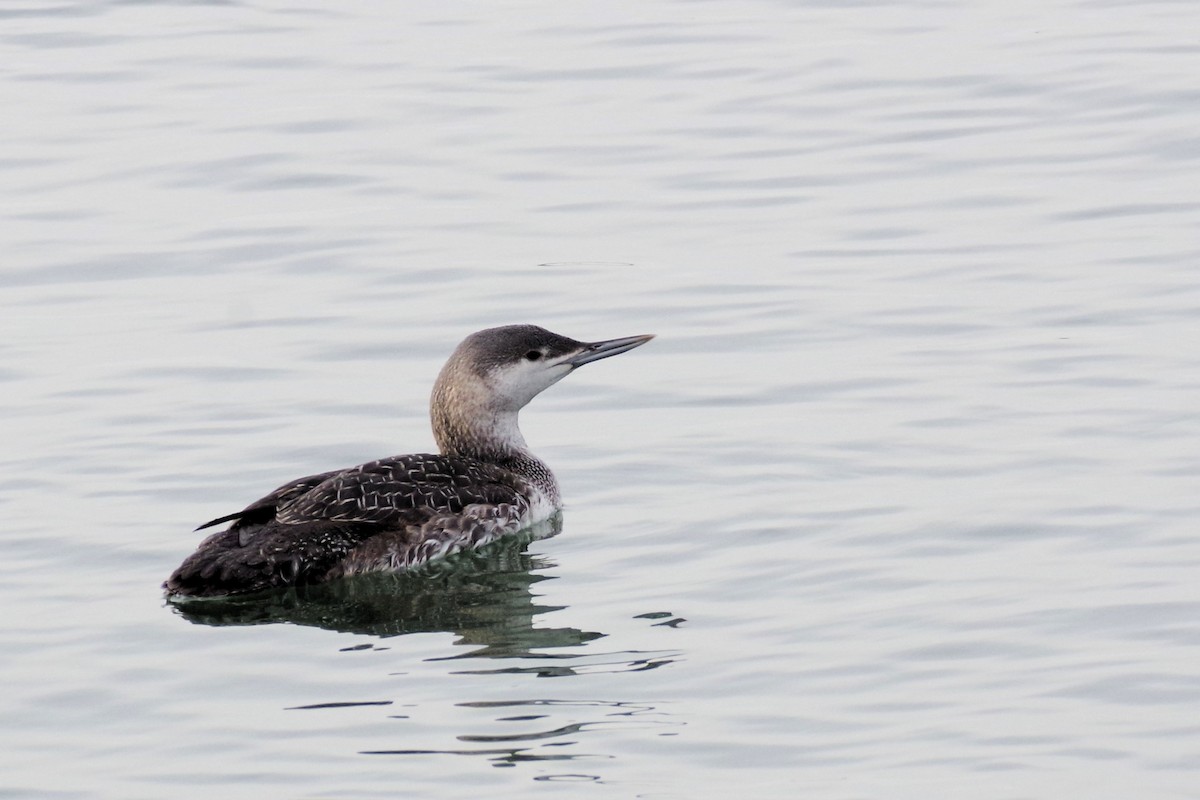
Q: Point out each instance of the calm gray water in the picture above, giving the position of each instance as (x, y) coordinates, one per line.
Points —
(901, 503)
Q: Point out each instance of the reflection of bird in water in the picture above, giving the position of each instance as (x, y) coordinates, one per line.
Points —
(484, 596)
(396, 513)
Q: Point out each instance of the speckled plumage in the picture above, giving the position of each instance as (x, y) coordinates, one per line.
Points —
(389, 514)
(399, 512)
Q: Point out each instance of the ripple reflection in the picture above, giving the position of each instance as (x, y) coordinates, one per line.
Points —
(599, 716)
(486, 598)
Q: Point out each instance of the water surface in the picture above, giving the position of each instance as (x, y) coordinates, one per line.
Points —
(901, 502)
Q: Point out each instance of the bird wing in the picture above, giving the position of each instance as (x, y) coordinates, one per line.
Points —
(263, 509)
(402, 510)
(401, 490)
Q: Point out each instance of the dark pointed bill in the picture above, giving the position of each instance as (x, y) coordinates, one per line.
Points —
(598, 350)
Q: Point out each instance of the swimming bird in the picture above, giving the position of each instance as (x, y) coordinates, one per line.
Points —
(400, 512)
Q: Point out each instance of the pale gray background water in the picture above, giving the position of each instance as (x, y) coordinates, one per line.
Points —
(901, 503)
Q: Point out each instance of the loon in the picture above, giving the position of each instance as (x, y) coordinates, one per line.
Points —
(400, 512)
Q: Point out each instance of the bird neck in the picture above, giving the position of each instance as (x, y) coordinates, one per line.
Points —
(492, 438)
(482, 434)
(472, 421)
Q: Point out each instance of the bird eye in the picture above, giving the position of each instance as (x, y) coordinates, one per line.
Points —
(533, 355)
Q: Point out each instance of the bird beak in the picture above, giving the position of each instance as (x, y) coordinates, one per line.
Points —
(598, 350)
